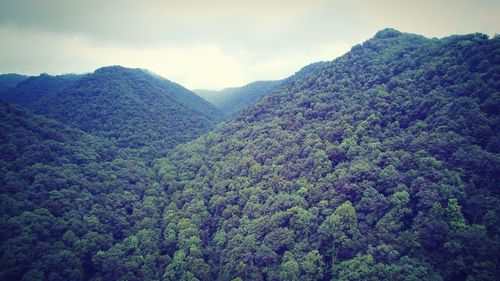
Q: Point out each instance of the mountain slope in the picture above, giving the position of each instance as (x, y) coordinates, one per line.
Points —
(10, 80)
(134, 109)
(64, 197)
(382, 164)
(34, 88)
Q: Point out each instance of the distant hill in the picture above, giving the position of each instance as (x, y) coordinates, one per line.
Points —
(10, 80)
(34, 88)
(213, 96)
(133, 108)
(235, 99)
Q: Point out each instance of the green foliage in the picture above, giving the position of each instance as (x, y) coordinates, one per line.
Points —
(134, 109)
(28, 90)
(380, 165)
(70, 205)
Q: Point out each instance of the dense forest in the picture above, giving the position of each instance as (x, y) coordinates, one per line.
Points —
(383, 164)
(134, 109)
(65, 196)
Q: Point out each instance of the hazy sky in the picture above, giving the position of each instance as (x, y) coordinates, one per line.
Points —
(215, 44)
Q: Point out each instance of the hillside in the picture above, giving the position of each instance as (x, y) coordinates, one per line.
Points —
(380, 165)
(32, 89)
(10, 80)
(133, 108)
(65, 196)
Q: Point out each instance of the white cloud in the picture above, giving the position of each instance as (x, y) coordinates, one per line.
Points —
(285, 65)
(203, 65)
(214, 44)
(194, 66)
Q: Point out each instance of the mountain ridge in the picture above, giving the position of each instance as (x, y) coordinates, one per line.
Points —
(33, 88)
(132, 108)
(232, 100)
(10, 80)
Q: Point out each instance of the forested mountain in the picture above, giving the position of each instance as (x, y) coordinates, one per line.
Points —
(10, 80)
(64, 197)
(232, 100)
(383, 164)
(380, 165)
(133, 108)
(32, 89)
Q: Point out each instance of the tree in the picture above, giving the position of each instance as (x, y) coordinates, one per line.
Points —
(312, 266)
(340, 230)
(289, 268)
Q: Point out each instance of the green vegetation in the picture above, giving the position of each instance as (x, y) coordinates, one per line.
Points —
(10, 80)
(383, 164)
(65, 197)
(32, 89)
(132, 108)
(380, 165)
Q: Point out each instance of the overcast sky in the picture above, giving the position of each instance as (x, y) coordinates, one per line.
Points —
(215, 44)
